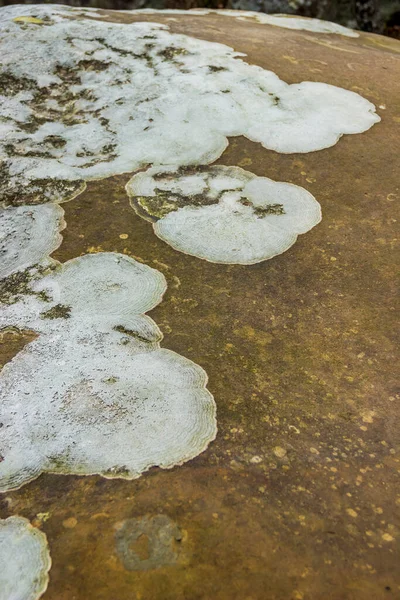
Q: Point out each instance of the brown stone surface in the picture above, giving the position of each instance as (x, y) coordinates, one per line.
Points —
(299, 496)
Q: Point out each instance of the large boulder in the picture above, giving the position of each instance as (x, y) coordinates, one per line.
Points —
(254, 163)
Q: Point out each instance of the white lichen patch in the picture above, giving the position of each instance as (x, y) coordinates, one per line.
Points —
(95, 393)
(28, 234)
(82, 98)
(285, 21)
(223, 214)
(24, 560)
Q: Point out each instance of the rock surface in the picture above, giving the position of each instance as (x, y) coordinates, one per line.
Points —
(298, 496)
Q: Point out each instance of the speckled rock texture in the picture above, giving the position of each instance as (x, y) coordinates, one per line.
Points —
(298, 496)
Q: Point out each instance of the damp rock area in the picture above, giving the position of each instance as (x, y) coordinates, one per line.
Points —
(223, 214)
(150, 542)
(25, 560)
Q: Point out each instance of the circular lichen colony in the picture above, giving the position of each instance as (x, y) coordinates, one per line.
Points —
(95, 393)
(24, 559)
(223, 214)
(84, 99)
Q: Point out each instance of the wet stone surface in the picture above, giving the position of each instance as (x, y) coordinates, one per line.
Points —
(148, 543)
(298, 496)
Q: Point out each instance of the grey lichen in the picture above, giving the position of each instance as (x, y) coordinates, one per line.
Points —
(19, 191)
(222, 214)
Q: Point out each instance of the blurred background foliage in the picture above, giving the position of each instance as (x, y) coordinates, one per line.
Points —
(379, 16)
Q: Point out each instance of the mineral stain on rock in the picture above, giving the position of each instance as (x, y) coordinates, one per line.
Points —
(148, 543)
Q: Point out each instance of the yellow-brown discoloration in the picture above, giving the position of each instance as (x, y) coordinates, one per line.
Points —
(298, 497)
(12, 341)
(28, 19)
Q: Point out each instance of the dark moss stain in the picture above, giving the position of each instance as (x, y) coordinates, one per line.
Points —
(131, 333)
(12, 150)
(109, 148)
(104, 122)
(18, 284)
(85, 152)
(146, 56)
(263, 211)
(120, 51)
(216, 69)
(66, 100)
(59, 311)
(30, 126)
(67, 74)
(269, 209)
(10, 85)
(55, 140)
(107, 154)
(36, 191)
(93, 65)
(64, 463)
(67, 112)
(90, 96)
(171, 52)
